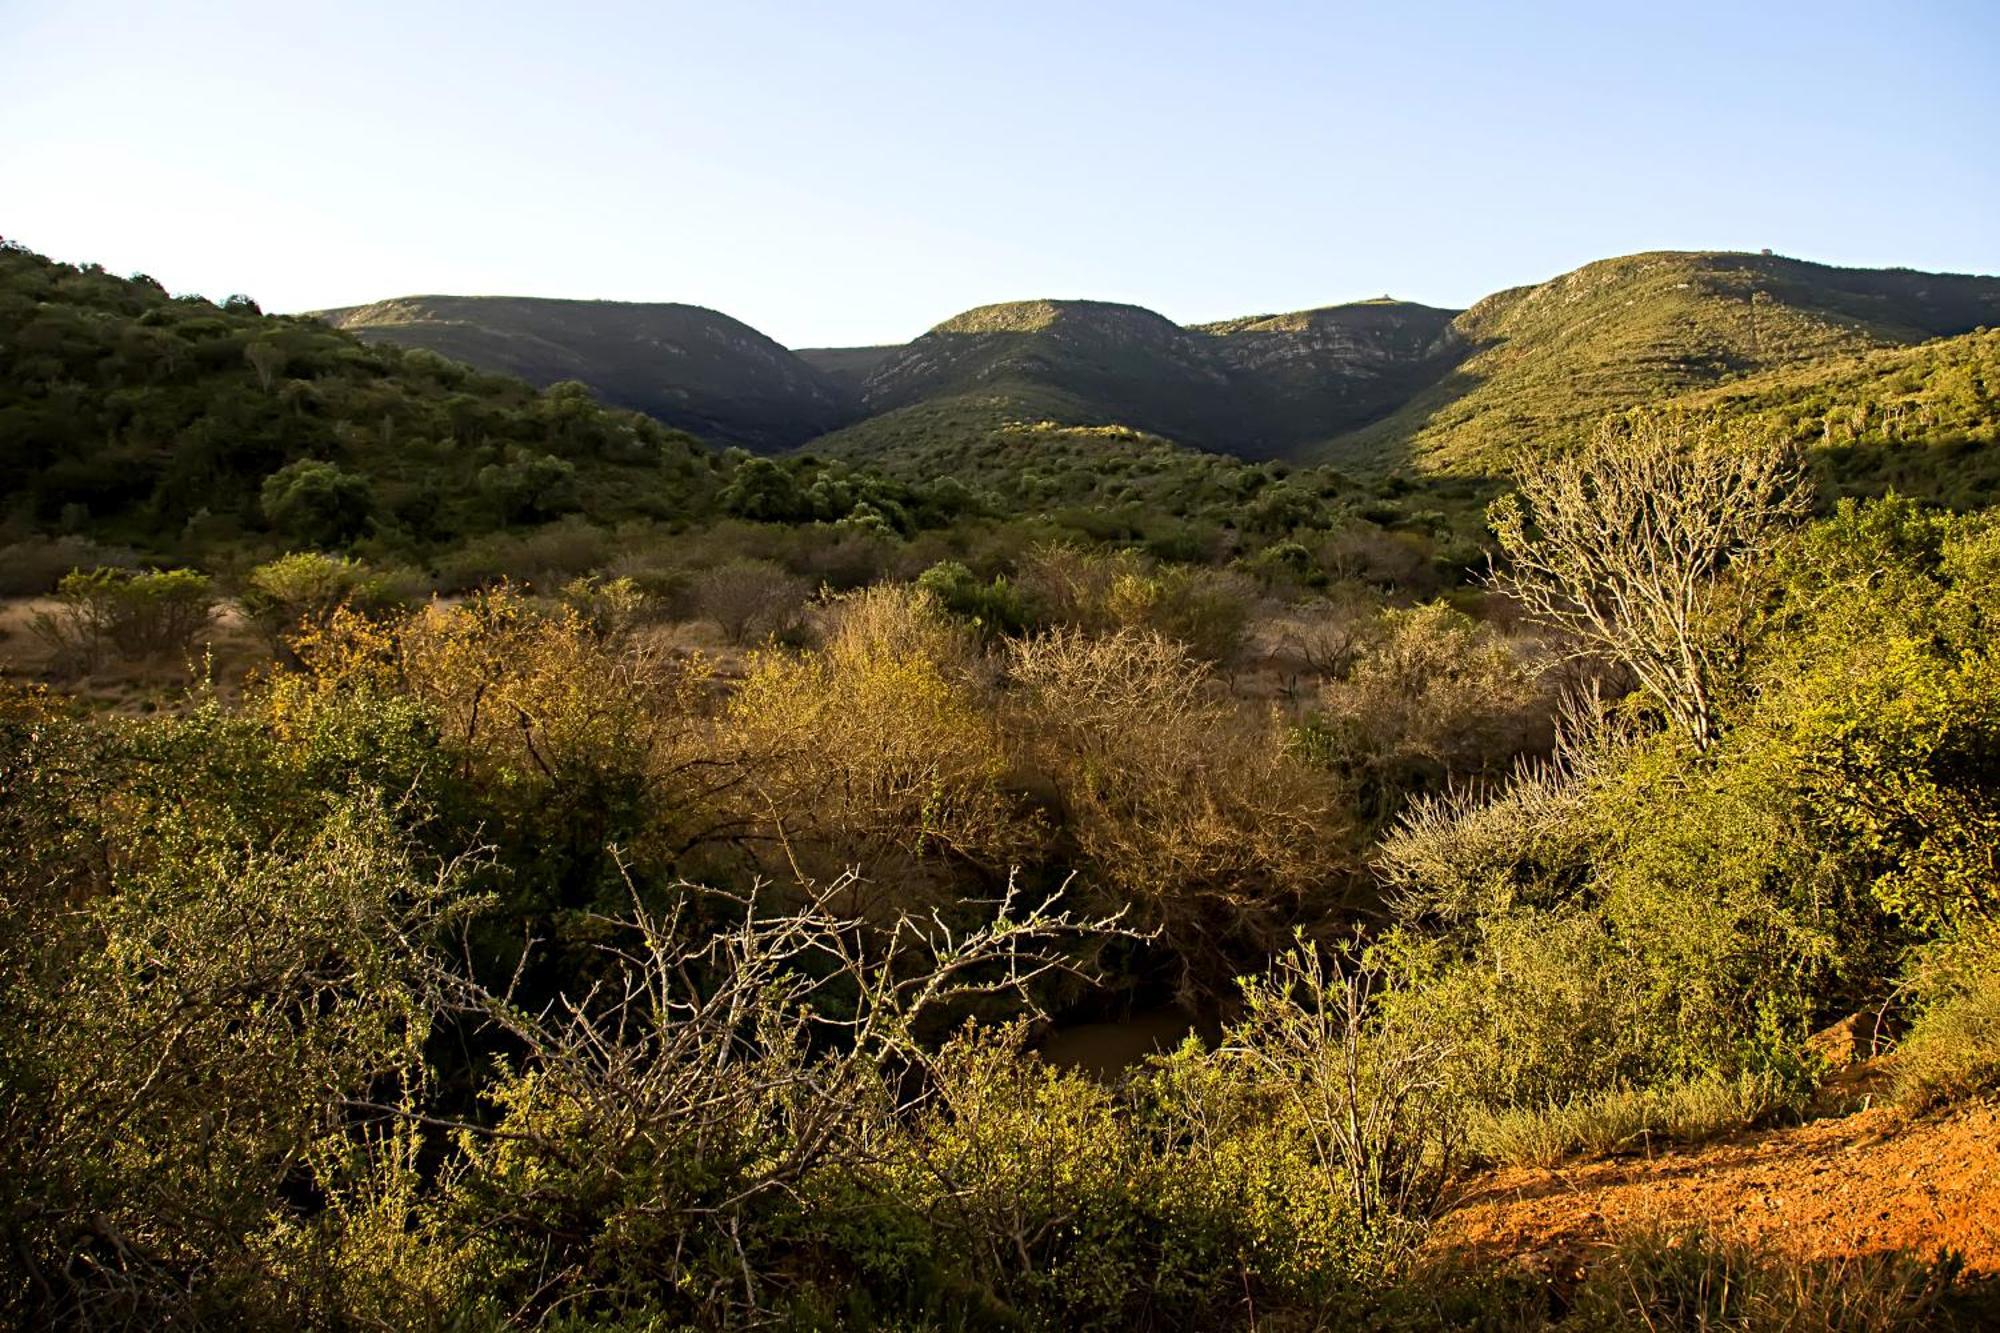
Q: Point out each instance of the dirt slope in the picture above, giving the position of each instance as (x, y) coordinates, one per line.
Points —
(1861, 1184)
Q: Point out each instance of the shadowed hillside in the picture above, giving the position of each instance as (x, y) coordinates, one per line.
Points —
(1257, 387)
(849, 367)
(689, 367)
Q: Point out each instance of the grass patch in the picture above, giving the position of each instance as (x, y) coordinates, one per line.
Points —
(1953, 1049)
(1696, 1280)
(1624, 1118)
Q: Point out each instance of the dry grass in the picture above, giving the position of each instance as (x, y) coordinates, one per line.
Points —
(1622, 1119)
(1696, 1280)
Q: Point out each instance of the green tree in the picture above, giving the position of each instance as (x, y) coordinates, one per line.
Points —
(316, 502)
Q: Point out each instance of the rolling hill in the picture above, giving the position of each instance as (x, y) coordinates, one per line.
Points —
(1373, 386)
(1542, 364)
(1256, 387)
(686, 366)
(164, 422)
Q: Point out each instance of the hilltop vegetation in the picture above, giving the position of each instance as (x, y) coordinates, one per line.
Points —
(1543, 363)
(1922, 420)
(133, 416)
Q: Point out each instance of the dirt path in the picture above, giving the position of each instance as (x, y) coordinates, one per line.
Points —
(1861, 1184)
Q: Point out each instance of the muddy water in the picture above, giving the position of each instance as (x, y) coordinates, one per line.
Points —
(1108, 1049)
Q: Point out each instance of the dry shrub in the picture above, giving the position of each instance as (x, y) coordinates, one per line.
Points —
(1431, 694)
(1468, 851)
(1698, 1280)
(1629, 545)
(1324, 636)
(1208, 610)
(657, 1137)
(749, 599)
(880, 748)
(569, 727)
(1374, 1094)
(1188, 805)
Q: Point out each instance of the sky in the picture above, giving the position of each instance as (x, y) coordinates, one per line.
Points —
(854, 172)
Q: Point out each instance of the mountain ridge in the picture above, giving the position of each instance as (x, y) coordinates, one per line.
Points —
(688, 366)
(1377, 384)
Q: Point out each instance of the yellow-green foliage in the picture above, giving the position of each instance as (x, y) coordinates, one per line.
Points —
(1097, 1206)
(1619, 1119)
(304, 589)
(1547, 361)
(884, 743)
(184, 1012)
(1953, 1048)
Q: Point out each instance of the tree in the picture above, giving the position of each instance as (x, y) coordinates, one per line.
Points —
(316, 502)
(762, 490)
(1626, 547)
(749, 599)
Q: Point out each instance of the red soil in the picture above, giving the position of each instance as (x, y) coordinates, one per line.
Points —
(1865, 1183)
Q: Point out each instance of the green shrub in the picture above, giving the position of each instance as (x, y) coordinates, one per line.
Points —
(1953, 1048)
(305, 588)
(135, 615)
(995, 608)
(314, 501)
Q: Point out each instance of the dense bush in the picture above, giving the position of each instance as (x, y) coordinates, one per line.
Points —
(303, 590)
(1426, 694)
(134, 615)
(503, 961)
(1193, 808)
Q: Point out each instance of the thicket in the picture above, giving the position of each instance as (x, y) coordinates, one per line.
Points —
(220, 437)
(501, 959)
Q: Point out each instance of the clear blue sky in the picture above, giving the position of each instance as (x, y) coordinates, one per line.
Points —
(853, 172)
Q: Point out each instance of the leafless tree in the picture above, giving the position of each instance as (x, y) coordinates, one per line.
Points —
(267, 358)
(749, 599)
(1627, 547)
(754, 1053)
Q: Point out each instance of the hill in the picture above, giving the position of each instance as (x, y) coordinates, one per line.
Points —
(1542, 364)
(1112, 362)
(1331, 369)
(162, 422)
(848, 367)
(1256, 387)
(1370, 386)
(686, 366)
